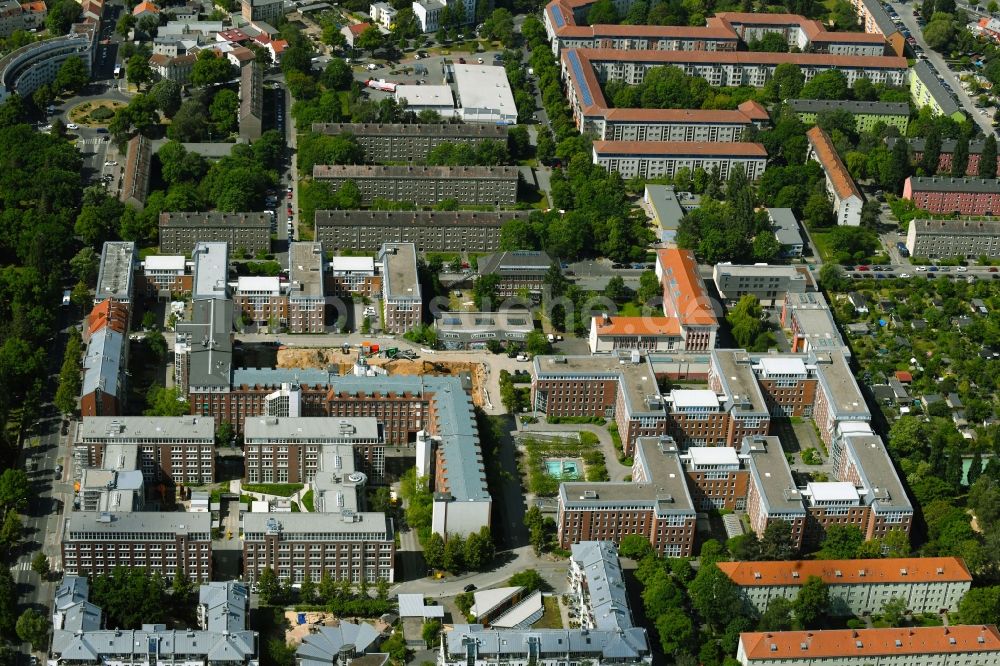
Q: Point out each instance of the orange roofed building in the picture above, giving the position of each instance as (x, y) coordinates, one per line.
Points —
(840, 187)
(106, 360)
(969, 645)
(609, 333)
(857, 587)
(685, 298)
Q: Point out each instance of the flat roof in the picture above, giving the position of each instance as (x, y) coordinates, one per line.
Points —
(713, 455)
(126, 428)
(782, 366)
(325, 429)
(509, 320)
(114, 279)
(772, 475)
(842, 390)
(484, 87)
(294, 526)
(735, 373)
(211, 270)
(694, 398)
(412, 605)
(165, 262)
(832, 491)
(884, 490)
(399, 271)
(960, 226)
(637, 379)
(305, 270)
(209, 336)
(248, 283)
(165, 525)
(352, 264)
(433, 96)
(666, 207)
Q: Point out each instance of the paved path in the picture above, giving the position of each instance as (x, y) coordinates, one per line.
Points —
(616, 470)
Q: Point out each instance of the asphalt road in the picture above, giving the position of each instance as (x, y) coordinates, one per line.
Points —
(906, 16)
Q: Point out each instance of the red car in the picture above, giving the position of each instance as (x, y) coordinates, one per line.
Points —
(993, 269)
(861, 268)
(289, 195)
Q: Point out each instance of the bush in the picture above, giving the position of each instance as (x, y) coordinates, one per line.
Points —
(596, 420)
(102, 113)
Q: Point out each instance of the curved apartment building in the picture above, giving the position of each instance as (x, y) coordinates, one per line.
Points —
(25, 70)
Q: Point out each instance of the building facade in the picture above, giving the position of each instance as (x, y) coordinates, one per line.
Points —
(495, 186)
(396, 142)
(866, 114)
(306, 288)
(939, 239)
(25, 70)
(658, 159)
(973, 645)
(475, 330)
(521, 272)
(402, 304)
(430, 231)
(857, 587)
(927, 91)
(768, 284)
(961, 196)
(840, 187)
(244, 232)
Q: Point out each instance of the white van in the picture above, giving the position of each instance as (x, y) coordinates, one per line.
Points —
(66, 297)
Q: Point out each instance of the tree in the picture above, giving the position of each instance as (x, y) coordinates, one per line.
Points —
(337, 75)
(529, 579)
(829, 84)
(894, 611)
(454, 554)
(369, 40)
(125, 23)
(818, 212)
(485, 292)
(138, 70)
(776, 543)
(434, 550)
(832, 277)
(940, 33)
(988, 158)
(62, 14)
(430, 631)
(602, 12)
(33, 627)
(812, 602)
(190, 124)
(166, 402)
(268, 587)
(635, 546)
(777, 616)
(841, 543)
(616, 290)
(500, 26)
(72, 75)
(745, 320)
(8, 603)
(181, 586)
(156, 343)
(40, 565)
(479, 550)
(210, 68)
(960, 157)
(537, 344)
(649, 288)
(932, 151)
(714, 595)
(167, 95)
(677, 631)
(980, 605)
(223, 110)
(14, 489)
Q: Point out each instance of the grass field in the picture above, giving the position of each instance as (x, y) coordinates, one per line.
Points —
(551, 619)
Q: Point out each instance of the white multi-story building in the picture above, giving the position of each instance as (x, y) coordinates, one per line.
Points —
(658, 159)
(428, 14)
(953, 238)
(401, 301)
(383, 14)
(840, 187)
(857, 587)
(768, 283)
(26, 69)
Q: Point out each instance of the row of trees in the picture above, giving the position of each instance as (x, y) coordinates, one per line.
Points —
(456, 555)
(341, 597)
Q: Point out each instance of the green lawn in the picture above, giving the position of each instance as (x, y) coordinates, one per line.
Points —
(551, 619)
(280, 489)
(307, 501)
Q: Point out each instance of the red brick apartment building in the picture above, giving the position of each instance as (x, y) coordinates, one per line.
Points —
(173, 449)
(945, 195)
(655, 504)
(947, 154)
(106, 360)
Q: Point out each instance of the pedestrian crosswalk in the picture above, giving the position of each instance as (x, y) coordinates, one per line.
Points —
(22, 566)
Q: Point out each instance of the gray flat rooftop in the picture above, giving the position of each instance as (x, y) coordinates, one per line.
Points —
(322, 429)
(637, 379)
(416, 218)
(509, 320)
(133, 429)
(209, 334)
(517, 261)
(739, 382)
(136, 525)
(786, 226)
(412, 172)
(114, 279)
(959, 227)
(215, 219)
(211, 270)
(399, 271)
(365, 525)
(447, 130)
(663, 200)
(948, 184)
(305, 270)
(835, 376)
(877, 472)
(666, 492)
(772, 475)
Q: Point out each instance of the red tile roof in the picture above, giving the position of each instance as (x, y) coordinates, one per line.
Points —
(358, 28)
(842, 572)
(828, 158)
(111, 314)
(858, 643)
(904, 376)
(684, 293)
